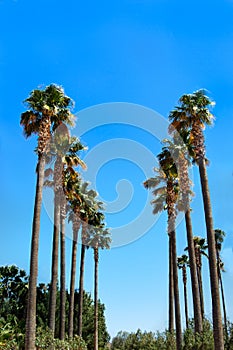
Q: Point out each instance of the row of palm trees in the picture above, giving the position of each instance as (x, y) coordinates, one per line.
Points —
(48, 116)
(172, 192)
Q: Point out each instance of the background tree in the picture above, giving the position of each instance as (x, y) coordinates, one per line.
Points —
(219, 238)
(183, 262)
(100, 238)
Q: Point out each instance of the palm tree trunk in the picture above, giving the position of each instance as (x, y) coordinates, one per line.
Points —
(199, 275)
(176, 293)
(72, 283)
(54, 270)
(216, 309)
(31, 304)
(223, 297)
(224, 307)
(193, 272)
(171, 291)
(185, 296)
(81, 283)
(62, 278)
(96, 257)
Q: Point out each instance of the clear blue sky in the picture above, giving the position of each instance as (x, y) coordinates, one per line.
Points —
(145, 52)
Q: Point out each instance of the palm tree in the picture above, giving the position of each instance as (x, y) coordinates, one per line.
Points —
(65, 151)
(183, 262)
(179, 149)
(200, 247)
(219, 238)
(73, 187)
(168, 191)
(90, 217)
(192, 114)
(100, 238)
(71, 159)
(46, 109)
(159, 204)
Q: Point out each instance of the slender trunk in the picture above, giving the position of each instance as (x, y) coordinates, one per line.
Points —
(193, 272)
(72, 284)
(185, 296)
(223, 306)
(216, 309)
(62, 278)
(31, 306)
(54, 270)
(81, 283)
(176, 293)
(199, 275)
(96, 258)
(171, 291)
(223, 297)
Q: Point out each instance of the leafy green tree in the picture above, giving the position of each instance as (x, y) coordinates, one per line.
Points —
(13, 294)
(193, 114)
(46, 109)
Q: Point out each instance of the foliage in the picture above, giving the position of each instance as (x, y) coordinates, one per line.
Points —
(88, 322)
(13, 297)
(44, 340)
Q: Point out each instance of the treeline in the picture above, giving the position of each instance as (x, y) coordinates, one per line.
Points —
(13, 310)
(140, 340)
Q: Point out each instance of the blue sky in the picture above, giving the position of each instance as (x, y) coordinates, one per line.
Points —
(141, 52)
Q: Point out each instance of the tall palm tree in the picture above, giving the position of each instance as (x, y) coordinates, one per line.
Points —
(166, 187)
(200, 247)
(159, 204)
(180, 149)
(90, 217)
(193, 113)
(70, 160)
(46, 109)
(64, 149)
(183, 262)
(100, 238)
(73, 187)
(219, 238)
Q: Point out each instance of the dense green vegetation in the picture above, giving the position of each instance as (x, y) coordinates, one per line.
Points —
(13, 303)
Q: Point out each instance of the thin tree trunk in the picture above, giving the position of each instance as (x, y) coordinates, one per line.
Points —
(199, 274)
(96, 258)
(216, 309)
(193, 272)
(171, 291)
(224, 307)
(176, 293)
(72, 284)
(81, 283)
(62, 278)
(223, 297)
(31, 304)
(185, 297)
(54, 270)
